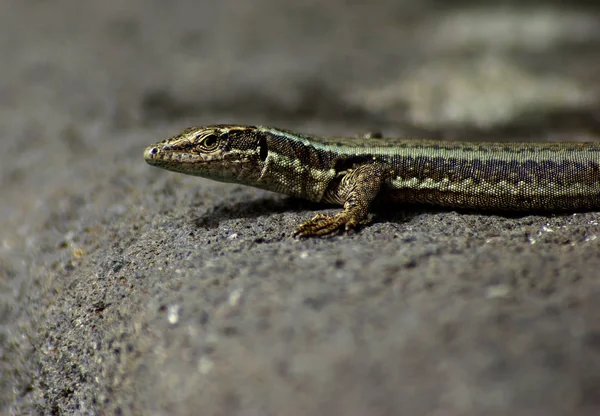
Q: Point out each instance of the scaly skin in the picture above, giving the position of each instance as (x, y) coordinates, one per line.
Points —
(355, 172)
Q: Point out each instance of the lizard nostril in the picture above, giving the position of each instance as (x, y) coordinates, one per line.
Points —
(150, 153)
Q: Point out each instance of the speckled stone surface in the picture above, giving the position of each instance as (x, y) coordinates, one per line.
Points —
(130, 290)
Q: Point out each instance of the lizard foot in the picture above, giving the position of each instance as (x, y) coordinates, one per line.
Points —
(326, 226)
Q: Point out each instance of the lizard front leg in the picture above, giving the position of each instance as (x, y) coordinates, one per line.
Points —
(356, 190)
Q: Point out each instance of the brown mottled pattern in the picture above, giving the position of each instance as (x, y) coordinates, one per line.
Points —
(515, 176)
(354, 172)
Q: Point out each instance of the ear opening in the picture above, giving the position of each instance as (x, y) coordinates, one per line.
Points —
(263, 148)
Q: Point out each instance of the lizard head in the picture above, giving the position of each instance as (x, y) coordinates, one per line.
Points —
(225, 153)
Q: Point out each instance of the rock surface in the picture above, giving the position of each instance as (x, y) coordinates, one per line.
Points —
(129, 290)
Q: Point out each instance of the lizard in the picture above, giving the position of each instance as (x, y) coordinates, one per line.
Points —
(355, 173)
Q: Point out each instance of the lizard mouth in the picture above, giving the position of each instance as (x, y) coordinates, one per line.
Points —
(164, 157)
(217, 166)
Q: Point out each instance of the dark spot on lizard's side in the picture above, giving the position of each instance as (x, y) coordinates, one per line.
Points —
(595, 173)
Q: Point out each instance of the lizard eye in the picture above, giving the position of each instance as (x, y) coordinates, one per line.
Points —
(210, 142)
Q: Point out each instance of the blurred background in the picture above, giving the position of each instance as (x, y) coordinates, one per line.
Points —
(85, 85)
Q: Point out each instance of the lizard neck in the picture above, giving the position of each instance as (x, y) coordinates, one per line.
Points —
(294, 166)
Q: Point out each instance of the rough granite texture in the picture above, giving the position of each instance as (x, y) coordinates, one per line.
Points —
(129, 290)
